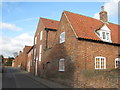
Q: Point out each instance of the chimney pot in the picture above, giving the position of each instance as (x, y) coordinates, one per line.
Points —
(102, 7)
(103, 15)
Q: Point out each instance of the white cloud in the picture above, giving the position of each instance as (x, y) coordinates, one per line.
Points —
(8, 26)
(96, 15)
(10, 45)
(111, 7)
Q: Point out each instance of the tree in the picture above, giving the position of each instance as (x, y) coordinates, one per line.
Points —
(9, 62)
(1, 58)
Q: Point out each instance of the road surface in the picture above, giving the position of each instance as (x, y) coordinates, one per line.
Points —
(14, 78)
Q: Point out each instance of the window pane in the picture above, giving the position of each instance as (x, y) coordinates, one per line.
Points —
(117, 63)
(103, 33)
(39, 57)
(41, 33)
(34, 53)
(107, 34)
(61, 65)
(40, 49)
(62, 37)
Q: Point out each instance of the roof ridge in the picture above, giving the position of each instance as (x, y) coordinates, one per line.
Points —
(88, 16)
(48, 19)
(83, 15)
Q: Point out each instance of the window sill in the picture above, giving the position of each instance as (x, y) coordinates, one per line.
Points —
(100, 69)
(61, 43)
(109, 41)
(47, 49)
(61, 70)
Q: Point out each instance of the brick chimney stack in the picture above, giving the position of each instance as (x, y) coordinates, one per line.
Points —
(103, 15)
(20, 52)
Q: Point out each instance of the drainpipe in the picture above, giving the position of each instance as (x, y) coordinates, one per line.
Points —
(46, 39)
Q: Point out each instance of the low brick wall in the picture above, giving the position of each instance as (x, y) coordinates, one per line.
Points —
(91, 79)
(98, 78)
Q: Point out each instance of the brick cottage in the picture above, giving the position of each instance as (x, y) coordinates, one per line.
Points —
(77, 46)
(21, 59)
(78, 51)
(29, 62)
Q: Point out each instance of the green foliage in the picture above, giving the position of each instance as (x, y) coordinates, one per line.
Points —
(1, 58)
(9, 62)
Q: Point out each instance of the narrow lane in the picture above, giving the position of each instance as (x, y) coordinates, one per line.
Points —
(8, 81)
(13, 78)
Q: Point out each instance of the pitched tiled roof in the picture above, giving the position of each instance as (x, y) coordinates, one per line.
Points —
(27, 48)
(48, 23)
(31, 47)
(85, 27)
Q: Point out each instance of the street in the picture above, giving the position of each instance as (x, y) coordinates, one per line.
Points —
(14, 78)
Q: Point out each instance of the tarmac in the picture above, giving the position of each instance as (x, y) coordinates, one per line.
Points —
(47, 83)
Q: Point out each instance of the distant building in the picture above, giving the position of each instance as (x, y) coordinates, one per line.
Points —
(30, 60)
(21, 59)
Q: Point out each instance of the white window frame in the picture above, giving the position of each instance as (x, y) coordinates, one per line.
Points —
(36, 57)
(41, 34)
(35, 39)
(34, 53)
(100, 58)
(40, 52)
(62, 65)
(62, 37)
(117, 59)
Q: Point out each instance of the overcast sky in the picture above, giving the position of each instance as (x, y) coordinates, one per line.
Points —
(19, 20)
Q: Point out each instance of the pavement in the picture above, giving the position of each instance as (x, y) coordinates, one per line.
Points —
(18, 78)
(47, 83)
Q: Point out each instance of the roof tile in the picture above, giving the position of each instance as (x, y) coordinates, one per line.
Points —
(85, 26)
(51, 24)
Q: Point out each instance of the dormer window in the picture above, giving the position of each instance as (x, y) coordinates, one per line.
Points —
(104, 34)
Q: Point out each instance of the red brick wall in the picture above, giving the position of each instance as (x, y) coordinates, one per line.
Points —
(79, 59)
(29, 61)
(18, 60)
(37, 45)
(25, 56)
(32, 61)
(21, 59)
(51, 39)
(15, 62)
